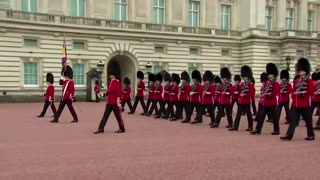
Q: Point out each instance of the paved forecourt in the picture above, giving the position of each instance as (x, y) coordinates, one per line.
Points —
(32, 148)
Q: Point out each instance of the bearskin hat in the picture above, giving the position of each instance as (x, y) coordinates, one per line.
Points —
(68, 72)
(50, 78)
(196, 75)
(284, 74)
(152, 77)
(271, 68)
(159, 77)
(237, 77)
(167, 76)
(185, 76)
(126, 81)
(96, 82)
(318, 76)
(140, 75)
(175, 78)
(314, 76)
(217, 79)
(263, 77)
(303, 64)
(208, 76)
(246, 71)
(115, 73)
(225, 73)
(253, 80)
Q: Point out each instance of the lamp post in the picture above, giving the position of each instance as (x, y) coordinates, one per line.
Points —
(288, 62)
(148, 67)
(100, 68)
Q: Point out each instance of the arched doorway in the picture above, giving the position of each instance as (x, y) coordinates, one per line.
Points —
(125, 66)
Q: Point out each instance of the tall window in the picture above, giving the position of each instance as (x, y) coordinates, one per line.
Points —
(157, 68)
(194, 13)
(269, 12)
(78, 8)
(158, 11)
(290, 19)
(78, 74)
(225, 17)
(120, 10)
(30, 74)
(310, 21)
(29, 5)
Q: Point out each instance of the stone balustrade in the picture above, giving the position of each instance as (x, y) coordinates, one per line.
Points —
(85, 21)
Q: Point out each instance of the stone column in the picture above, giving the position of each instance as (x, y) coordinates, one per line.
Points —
(202, 13)
(302, 15)
(261, 14)
(281, 14)
(216, 16)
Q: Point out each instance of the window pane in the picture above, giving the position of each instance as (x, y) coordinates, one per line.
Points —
(194, 51)
(30, 74)
(123, 12)
(225, 52)
(74, 7)
(117, 12)
(195, 19)
(159, 50)
(24, 5)
(161, 3)
(161, 16)
(81, 8)
(30, 43)
(78, 75)
(157, 69)
(78, 45)
(33, 6)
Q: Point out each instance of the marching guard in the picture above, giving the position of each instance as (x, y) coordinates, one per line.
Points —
(303, 89)
(173, 97)
(226, 91)
(126, 94)
(140, 93)
(67, 94)
(207, 98)
(235, 95)
(166, 96)
(184, 95)
(152, 87)
(97, 91)
(195, 95)
(284, 95)
(113, 94)
(269, 104)
(246, 89)
(157, 95)
(49, 96)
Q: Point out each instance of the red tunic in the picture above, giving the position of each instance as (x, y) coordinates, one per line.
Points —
(140, 89)
(316, 96)
(235, 94)
(285, 96)
(184, 94)
(261, 92)
(217, 95)
(208, 94)
(113, 92)
(174, 94)
(96, 89)
(195, 94)
(126, 93)
(158, 93)
(302, 99)
(151, 91)
(67, 89)
(50, 93)
(246, 97)
(271, 99)
(167, 90)
(226, 97)
(253, 97)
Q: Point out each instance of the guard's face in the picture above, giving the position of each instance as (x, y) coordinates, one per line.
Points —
(112, 76)
(167, 82)
(237, 82)
(207, 82)
(158, 82)
(270, 76)
(184, 81)
(225, 80)
(302, 73)
(48, 83)
(318, 80)
(283, 79)
(194, 81)
(174, 83)
(151, 82)
(245, 79)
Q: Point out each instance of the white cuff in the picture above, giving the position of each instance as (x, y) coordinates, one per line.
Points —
(62, 78)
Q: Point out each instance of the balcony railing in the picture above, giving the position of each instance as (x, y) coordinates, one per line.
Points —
(139, 26)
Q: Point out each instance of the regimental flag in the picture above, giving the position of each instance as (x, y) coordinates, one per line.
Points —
(64, 53)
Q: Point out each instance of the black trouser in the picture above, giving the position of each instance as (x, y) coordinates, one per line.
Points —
(154, 106)
(117, 114)
(182, 105)
(243, 108)
(149, 101)
(233, 102)
(136, 101)
(271, 110)
(306, 115)
(209, 108)
(45, 107)
(97, 98)
(124, 102)
(260, 109)
(193, 105)
(315, 105)
(170, 111)
(163, 109)
(286, 108)
(62, 104)
(226, 107)
(254, 107)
